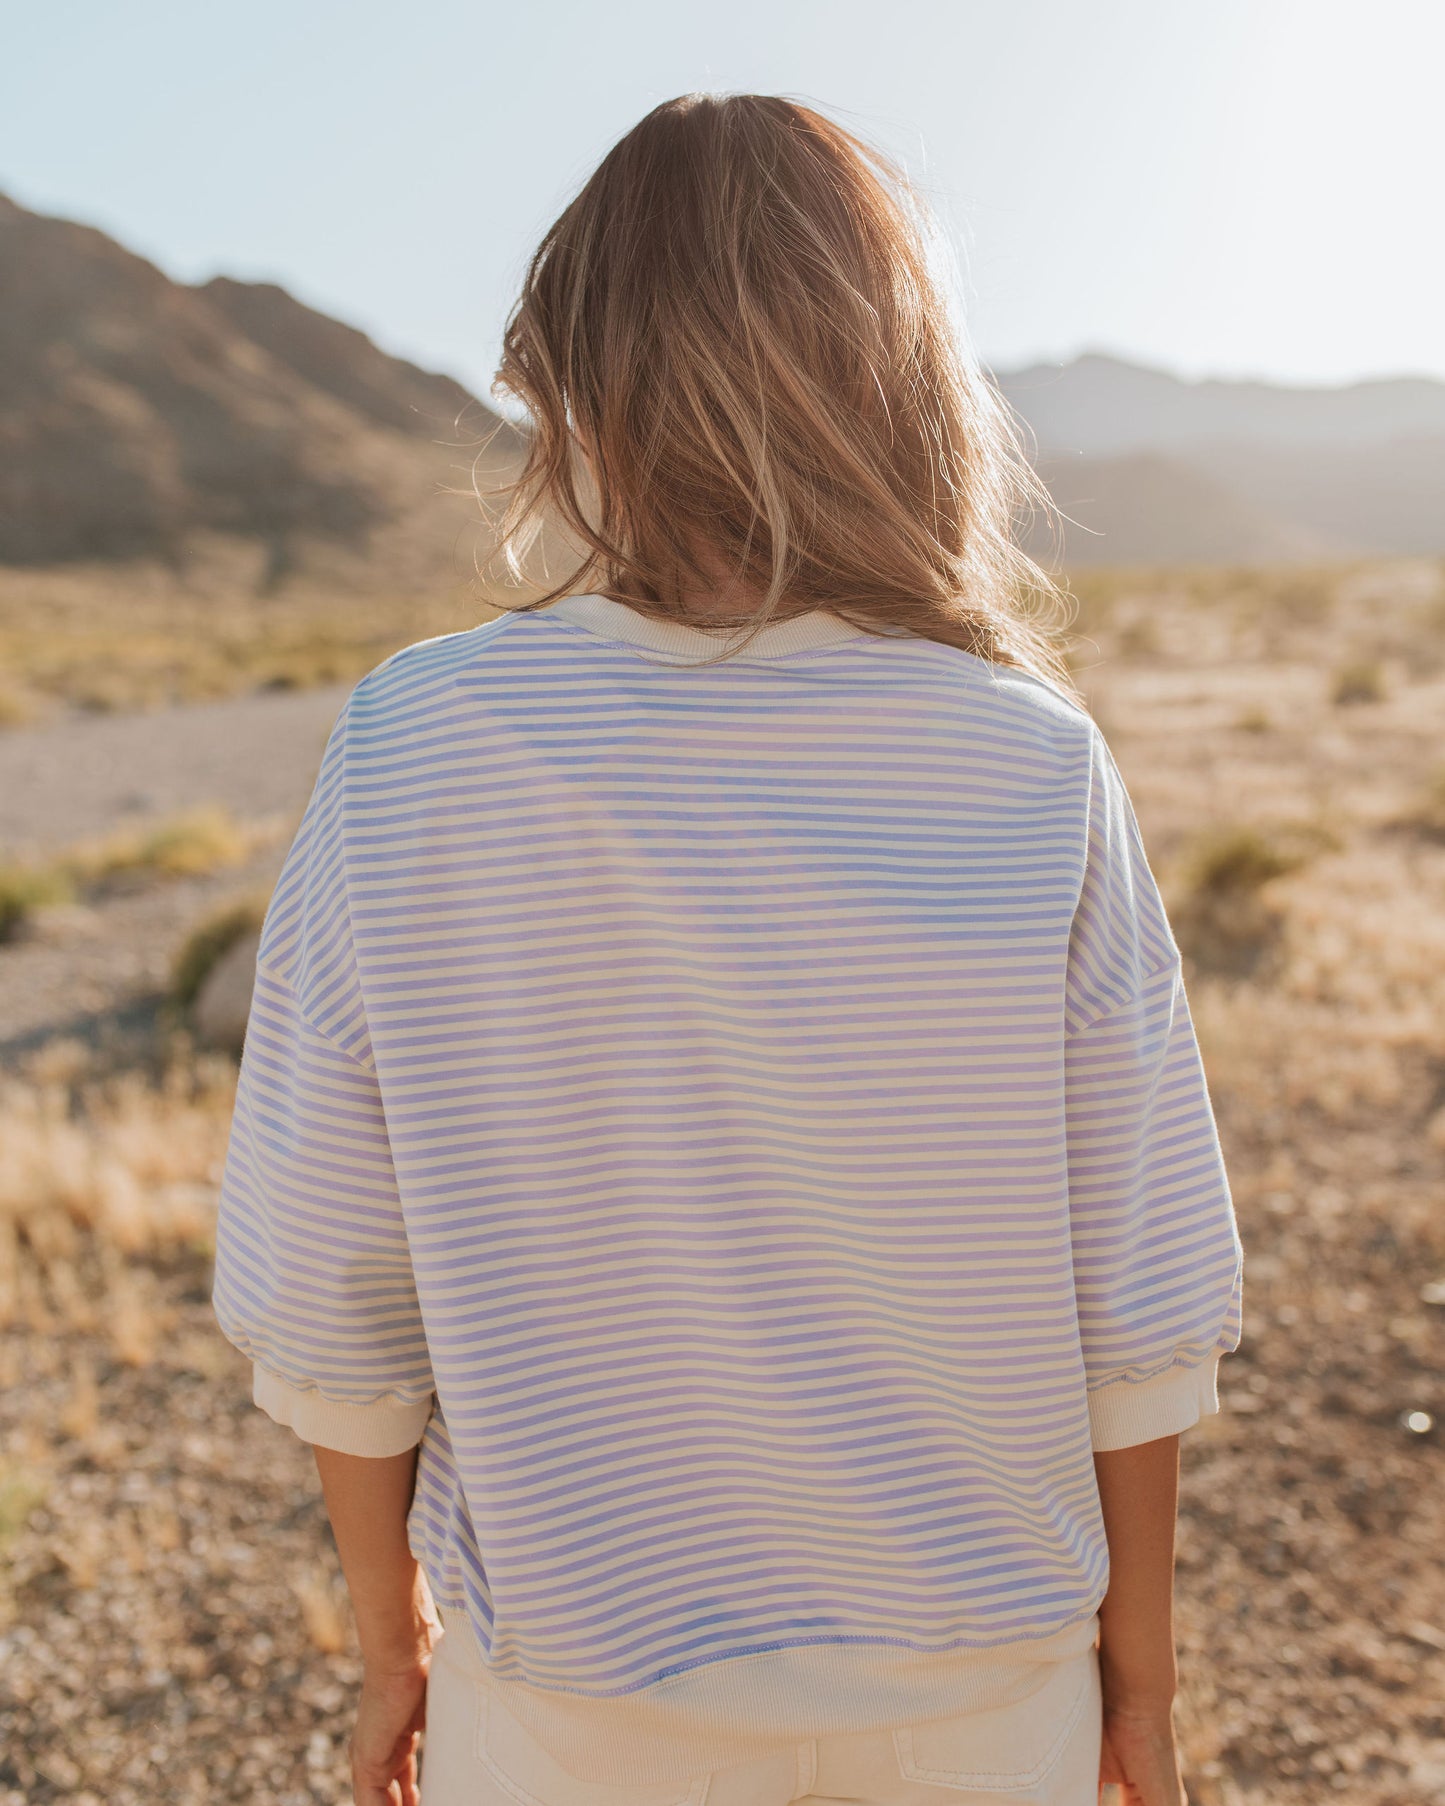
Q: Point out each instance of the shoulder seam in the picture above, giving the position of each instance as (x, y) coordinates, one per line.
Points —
(1147, 978)
(285, 982)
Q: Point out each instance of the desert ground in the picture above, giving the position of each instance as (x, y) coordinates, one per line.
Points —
(172, 1623)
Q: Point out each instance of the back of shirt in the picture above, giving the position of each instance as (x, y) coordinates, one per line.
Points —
(746, 1122)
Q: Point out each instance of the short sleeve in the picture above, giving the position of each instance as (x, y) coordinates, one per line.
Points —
(313, 1277)
(1158, 1264)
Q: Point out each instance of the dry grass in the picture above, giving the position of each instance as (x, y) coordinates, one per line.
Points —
(1281, 739)
(325, 1608)
(113, 638)
(20, 1493)
(1259, 802)
(192, 844)
(96, 1182)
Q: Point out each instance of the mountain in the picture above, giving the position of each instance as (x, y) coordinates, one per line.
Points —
(136, 412)
(139, 415)
(340, 362)
(1104, 406)
(1153, 468)
(1155, 508)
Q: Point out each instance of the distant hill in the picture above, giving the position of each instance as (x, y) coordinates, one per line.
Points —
(1152, 467)
(136, 411)
(1155, 508)
(1104, 407)
(338, 361)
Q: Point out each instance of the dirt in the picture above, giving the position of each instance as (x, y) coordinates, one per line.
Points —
(100, 970)
(71, 779)
(172, 1660)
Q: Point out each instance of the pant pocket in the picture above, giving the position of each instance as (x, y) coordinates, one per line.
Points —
(1014, 1753)
(532, 1777)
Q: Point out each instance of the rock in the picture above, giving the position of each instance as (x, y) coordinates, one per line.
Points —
(223, 1004)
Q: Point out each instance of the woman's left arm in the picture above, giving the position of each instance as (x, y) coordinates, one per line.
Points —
(367, 1500)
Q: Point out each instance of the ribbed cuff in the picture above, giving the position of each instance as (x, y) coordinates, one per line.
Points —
(386, 1427)
(1126, 1412)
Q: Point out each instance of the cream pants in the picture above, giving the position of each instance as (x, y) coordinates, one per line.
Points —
(1042, 1750)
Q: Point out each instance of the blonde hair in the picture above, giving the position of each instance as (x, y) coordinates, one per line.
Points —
(737, 356)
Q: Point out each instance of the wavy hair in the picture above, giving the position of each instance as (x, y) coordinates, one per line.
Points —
(744, 378)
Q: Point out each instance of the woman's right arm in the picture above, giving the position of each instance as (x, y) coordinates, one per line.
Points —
(1139, 1493)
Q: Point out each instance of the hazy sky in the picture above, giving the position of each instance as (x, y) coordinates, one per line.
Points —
(1243, 187)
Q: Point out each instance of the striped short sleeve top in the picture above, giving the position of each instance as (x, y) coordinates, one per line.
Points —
(744, 1122)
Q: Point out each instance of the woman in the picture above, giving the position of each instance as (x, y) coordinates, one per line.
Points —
(722, 1172)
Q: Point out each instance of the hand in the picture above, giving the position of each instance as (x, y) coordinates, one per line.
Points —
(1139, 1757)
(389, 1717)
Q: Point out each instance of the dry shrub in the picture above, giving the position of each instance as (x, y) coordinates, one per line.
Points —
(72, 1301)
(26, 888)
(205, 1352)
(82, 1552)
(1362, 681)
(9, 1270)
(189, 845)
(79, 1416)
(161, 1528)
(1225, 918)
(210, 941)
(137, 1319)
(193, 844)
(1287, 1053)
(323, 1609)
(1353, 1022)
(1139, 638)
(1238, 859)
(136, 1162)
(88, 1184)
(1425, 816)
(139, 636)
(1306, 597)
(129, 1543)
(21, 1490)
(16, 708)
(1368, 939)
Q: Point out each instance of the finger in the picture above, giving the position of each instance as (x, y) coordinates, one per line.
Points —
(1151, 1784)
(410, 1786)
(377, 1786)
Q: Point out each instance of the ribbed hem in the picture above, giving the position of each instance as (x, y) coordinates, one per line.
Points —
(740, 1709)
(386, 1427)
(611, 620)
(1127, 1412)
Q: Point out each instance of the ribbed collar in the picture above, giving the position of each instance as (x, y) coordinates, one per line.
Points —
(616, 621)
